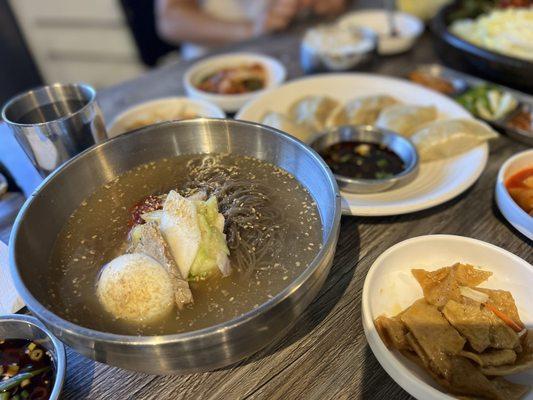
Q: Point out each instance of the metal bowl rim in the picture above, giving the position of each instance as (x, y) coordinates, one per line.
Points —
(369, 183)
(155, 340)
(59, 349)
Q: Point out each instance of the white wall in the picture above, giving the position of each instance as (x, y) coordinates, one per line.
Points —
(78, 40)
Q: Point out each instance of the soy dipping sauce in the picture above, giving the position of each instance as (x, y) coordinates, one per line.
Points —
(27, 368)
(362, 160)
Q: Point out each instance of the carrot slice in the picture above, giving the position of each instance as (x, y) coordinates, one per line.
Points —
(517, 328)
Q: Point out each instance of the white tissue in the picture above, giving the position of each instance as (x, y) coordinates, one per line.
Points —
(10, 301)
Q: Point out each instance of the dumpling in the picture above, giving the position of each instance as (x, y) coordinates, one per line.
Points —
(449, 137)
(285, 124)
(360, 111)
(405, 119)
(313, 111)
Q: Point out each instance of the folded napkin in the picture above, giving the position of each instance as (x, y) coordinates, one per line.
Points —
(10, 301)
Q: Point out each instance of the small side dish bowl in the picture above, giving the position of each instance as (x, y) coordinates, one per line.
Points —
(335, 48)
(275, 71)
(409, 28)
(516, 216)
(390, 287)
(17, 326)
(399, 145)
(160, 110)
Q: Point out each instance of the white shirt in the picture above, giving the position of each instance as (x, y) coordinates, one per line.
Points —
(227, 10)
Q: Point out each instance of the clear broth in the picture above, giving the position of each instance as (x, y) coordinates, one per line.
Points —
(96, 233)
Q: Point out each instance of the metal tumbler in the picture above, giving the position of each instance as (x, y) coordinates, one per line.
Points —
(54, 123)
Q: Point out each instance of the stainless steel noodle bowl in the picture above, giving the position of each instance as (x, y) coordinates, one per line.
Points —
(216, 338)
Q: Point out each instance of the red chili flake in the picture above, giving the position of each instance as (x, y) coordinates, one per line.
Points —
(148, 204)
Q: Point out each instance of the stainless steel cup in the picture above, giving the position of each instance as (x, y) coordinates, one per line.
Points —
(54, 123)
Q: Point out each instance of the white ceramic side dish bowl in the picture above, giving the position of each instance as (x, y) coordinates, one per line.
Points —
(409, 29)
(276, 74)
(164, 109)
(390, 287)
(510, 210)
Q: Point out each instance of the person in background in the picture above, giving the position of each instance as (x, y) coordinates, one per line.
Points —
(198, 25)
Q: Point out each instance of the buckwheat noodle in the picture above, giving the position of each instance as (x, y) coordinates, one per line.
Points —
(252, 234)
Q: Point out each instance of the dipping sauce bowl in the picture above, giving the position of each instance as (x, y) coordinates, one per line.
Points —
(17, 326)
(399, 145)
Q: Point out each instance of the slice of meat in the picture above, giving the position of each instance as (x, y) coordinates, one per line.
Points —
(392, 331)
(443, 284)
(149, 240)
(436, 337)
(479, 326)
(523, 362)
(510, 390)
(470, 321)
(491, 358)
(468, 380)
(411, 355)
(503, 301)
(419, 351)
(501, 335)
(461, 378)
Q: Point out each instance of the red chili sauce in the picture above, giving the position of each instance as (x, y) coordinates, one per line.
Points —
(520, 187)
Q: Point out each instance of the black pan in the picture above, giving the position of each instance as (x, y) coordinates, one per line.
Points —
(460, 54)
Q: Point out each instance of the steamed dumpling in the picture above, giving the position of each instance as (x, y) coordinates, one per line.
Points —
(313, 111)
(360, 111)
(405, 119)
(449, 137)
(285, 124)
(135, 288)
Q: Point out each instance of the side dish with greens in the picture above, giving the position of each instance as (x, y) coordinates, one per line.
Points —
(488, 102)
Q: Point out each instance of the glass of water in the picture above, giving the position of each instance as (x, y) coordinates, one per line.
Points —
(54, 123)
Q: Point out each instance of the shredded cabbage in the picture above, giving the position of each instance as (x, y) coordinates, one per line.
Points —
(213, 241)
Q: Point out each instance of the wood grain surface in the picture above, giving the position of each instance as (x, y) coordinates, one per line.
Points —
(325, 355)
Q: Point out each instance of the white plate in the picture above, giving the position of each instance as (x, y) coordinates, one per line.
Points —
(510, 210)
(231, 102)
(409, 28)
(389, 288)
(167, 106)
(437, 181)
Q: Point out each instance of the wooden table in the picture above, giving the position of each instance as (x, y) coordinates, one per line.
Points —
(326, 354)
